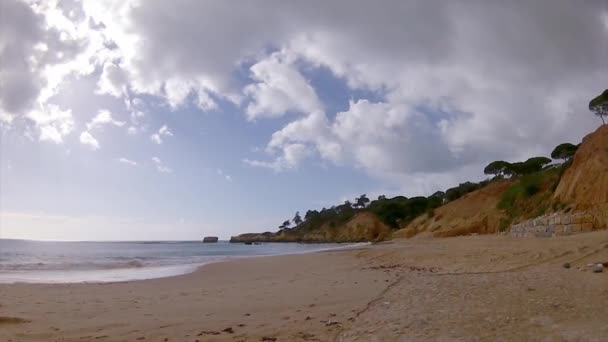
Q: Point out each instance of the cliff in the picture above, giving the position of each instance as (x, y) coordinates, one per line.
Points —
(585, 183)
(363, 226)
(559, 200)
(475, 212)
(584, 186)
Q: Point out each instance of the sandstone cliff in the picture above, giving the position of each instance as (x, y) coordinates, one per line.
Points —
(476, 212)
(362, 227)
(585, 183)
(584, 186)
(580, 194)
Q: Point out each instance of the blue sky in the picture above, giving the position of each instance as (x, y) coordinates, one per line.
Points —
(227, 118)
(210, 190)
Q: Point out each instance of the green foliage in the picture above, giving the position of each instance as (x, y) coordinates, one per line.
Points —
(599, 105)
(537, 163)
(361, 202)
(455, 193)
(437, 199)
(297, 220)
(497, 168)
(527, 187)
(529, 197)
(564, 151)
(333, 217)
(311, 214)
(532, 165)
(285, 224)
(399, 210)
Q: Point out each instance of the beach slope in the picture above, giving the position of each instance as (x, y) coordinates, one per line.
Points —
(479, 287)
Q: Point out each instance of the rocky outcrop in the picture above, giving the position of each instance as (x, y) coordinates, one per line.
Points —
(254, 237)
(210, 239)
(362, 227)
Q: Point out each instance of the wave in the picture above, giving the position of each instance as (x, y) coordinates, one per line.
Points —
(101, 262)
(80, 265)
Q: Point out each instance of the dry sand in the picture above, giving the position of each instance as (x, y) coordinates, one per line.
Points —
(466, 288)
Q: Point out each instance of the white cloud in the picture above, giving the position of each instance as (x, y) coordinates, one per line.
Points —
(30, 49)
(448, 78)
(53, 123)
(162, 132)
(160, 167)
(291, 155)
(449, 84)
(156, 138)
(104, 117)
(279, 88)
(113, 80)
(177, 90)
(87, 139)
(127, 161)
(132, 130)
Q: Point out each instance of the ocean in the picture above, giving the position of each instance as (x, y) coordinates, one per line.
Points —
(25, 261)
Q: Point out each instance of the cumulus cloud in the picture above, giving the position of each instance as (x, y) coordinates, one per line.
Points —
(104, 117)
(132, 130)
(291, 155)
(160, 167)
(450, 77)
(279, 88)
(113, 80)
(38, 46)
(53, 122)
(162, 132)
(437, 87)
(87, 139)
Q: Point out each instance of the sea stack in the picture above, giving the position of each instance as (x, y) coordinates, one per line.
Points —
(210, 239)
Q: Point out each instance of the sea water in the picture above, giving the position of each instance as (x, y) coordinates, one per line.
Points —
(71, 262)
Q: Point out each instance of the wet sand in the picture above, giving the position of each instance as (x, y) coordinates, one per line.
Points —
(465, 288)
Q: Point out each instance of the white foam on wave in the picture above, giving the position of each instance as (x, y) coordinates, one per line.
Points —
(95, 276)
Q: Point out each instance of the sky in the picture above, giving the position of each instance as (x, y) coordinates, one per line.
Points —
(172, 120)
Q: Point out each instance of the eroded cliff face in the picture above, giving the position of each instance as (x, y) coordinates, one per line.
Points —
(585, 183)
(584, 186)
(362, 227)
(474, 213)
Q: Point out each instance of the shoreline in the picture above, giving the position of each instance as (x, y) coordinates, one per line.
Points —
(478, 287)
(120, 275)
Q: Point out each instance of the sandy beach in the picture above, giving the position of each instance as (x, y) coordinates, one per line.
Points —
(465, 288)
